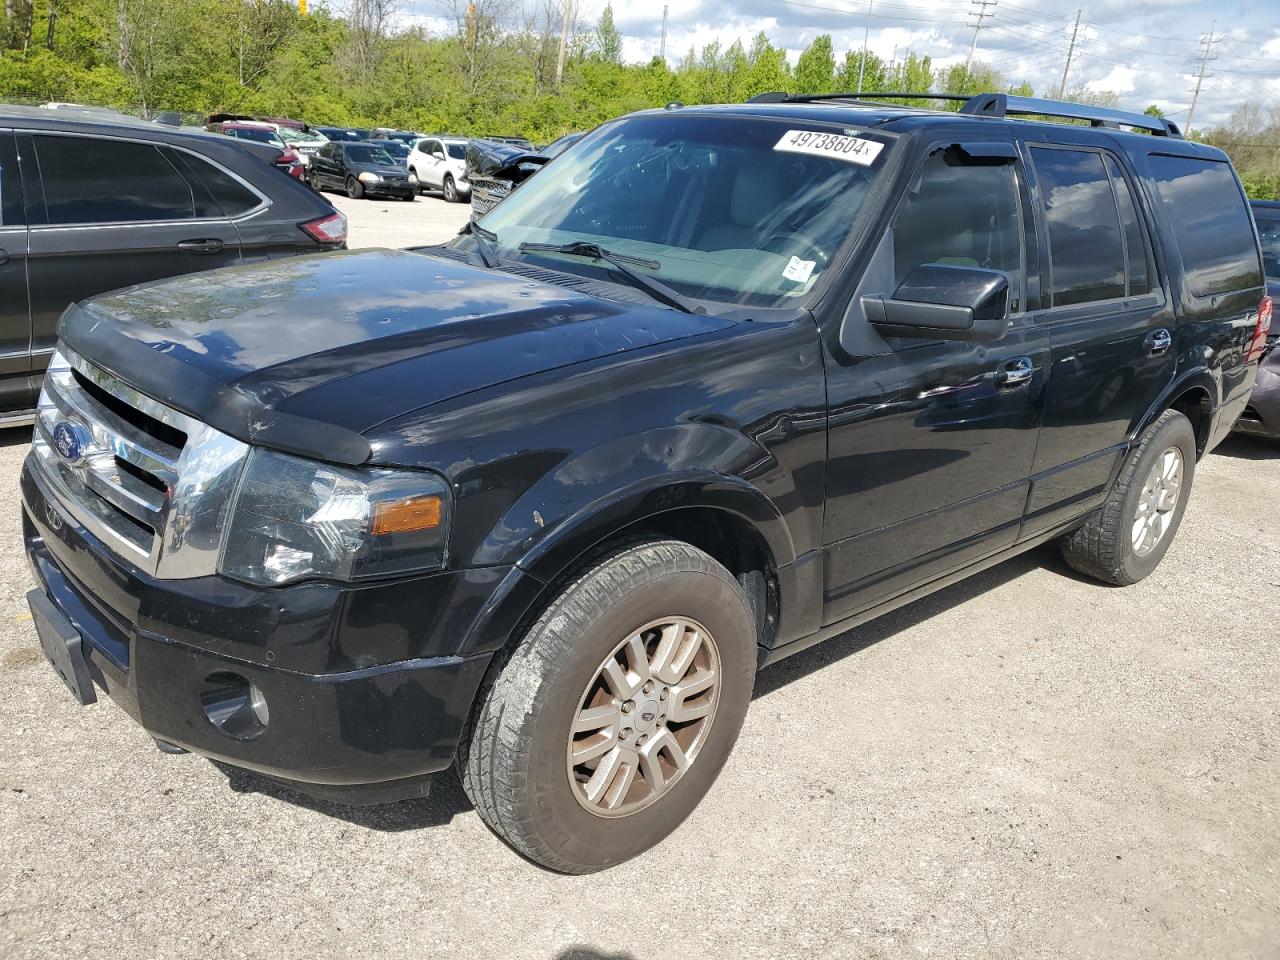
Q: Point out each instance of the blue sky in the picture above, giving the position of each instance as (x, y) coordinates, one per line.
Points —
(1144, 51)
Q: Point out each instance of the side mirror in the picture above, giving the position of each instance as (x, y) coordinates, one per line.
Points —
(940, 302)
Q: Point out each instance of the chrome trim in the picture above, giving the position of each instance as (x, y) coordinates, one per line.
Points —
(161, 506)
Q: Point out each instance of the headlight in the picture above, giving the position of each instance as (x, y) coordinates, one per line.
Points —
(295, 519)
(368, 177)
(413, 177)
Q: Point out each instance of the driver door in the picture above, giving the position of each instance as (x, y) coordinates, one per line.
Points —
(931, 442)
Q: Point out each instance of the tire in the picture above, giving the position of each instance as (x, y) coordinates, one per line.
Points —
(449, 189)
(355, 189)
(517, 762)
(1106, 547)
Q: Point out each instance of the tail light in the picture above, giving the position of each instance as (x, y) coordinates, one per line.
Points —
(327, 230)
(1258, 346)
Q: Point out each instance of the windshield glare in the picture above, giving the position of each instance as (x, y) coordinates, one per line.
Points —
(729, 214)
(360, 153)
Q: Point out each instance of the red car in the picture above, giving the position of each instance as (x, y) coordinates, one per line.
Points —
(289, 161)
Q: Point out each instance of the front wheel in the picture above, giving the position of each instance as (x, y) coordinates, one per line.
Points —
(1126, 540)
(450, 190)
(355, 189)
(609, 722)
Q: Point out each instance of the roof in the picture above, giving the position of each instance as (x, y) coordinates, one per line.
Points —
(907, 119)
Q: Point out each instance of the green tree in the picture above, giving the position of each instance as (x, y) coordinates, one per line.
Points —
(608, 39)
(815, 70)
(767, 68)
(873, 74)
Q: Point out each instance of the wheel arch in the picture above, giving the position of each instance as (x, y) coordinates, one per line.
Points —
(1195, 394)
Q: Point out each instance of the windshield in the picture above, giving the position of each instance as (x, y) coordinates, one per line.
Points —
(456, 150)
(732, 209)
(261, 135)
(295, 137)
(395, 148)
(367, 153)
(1269, 234)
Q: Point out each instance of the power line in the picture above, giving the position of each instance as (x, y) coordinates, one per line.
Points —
(980, 12)
(1204, 63)
(1071, 49)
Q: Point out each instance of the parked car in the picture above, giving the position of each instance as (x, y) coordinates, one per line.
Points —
(407, 137)
(350, 134)
(307, 142)
(288, 159)
(104, 202)
(440, 163)
(1262, 416)
(561, 144)
(720, 383)
(496, 168)
(513, 141)
(361, 170)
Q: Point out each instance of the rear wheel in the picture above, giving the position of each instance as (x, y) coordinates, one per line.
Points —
(611, 719)
(1126, 540)
(355, 189)
(450, 190)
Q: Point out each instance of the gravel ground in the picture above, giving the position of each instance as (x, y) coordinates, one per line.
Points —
(1026, 764)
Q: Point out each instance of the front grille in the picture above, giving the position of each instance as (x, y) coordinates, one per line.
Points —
(151, 483)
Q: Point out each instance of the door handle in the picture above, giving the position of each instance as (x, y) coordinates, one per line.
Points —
(200, 246)
(1158, 342)
(1015, 373)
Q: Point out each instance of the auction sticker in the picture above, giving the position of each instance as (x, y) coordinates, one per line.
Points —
(833, 145)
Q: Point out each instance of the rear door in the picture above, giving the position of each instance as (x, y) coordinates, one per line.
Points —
(115, 212)
(1110, 322)
(15, 314)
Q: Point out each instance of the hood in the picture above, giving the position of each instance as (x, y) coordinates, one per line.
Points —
(307, 354)
(501, 161)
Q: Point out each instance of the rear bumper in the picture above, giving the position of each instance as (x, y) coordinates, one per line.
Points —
(335, 725)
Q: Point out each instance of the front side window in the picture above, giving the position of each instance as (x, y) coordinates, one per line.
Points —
(1211, 223)
(961, 214)
(88, 180)
(729, 209)
(12, 211)
(1086, 246)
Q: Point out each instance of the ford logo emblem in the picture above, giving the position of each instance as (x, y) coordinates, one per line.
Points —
(69, 440)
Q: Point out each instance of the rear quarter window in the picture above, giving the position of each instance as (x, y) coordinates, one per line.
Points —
(1211, 223)
(1269, 233)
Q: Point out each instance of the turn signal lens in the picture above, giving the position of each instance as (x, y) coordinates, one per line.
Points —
(407, 516)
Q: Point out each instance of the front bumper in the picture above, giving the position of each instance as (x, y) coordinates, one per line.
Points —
(401, 190)
(1261, 418)
(363, 689)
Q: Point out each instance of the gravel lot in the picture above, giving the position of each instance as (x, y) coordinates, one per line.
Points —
(1026, 764)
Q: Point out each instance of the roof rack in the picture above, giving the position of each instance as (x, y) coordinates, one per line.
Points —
(1002, 105)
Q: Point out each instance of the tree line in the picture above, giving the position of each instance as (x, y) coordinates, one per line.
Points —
(504, 67)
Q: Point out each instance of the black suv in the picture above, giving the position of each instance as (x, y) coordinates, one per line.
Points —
(719, 383)
(91, 202)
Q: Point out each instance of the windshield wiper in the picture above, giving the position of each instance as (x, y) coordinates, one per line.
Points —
(655, 288)
(483, 239)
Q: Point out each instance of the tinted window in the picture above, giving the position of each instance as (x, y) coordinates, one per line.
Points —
(360, 153)
(457, 151)
(1269, 232)
(1210, 222)
(1086, 250)
(962, 215)
(110, 181)
(230, 197)
(1136, 255)
(259, 136)
(11, 209)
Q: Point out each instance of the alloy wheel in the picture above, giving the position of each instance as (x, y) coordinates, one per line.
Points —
(1157, 502)
(644, 717)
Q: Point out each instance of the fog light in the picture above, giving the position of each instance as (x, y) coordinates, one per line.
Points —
(235, 706)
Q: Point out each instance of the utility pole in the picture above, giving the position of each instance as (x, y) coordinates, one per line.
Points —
(979, 11)
(862, 64)
(662, 50)
(1071, 52)
(1205, 57)
(564, 40)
